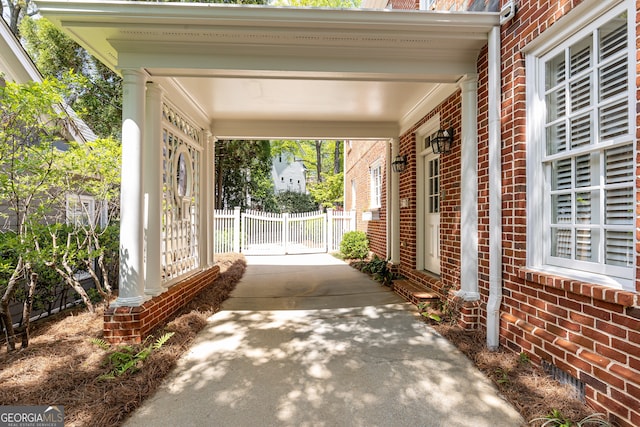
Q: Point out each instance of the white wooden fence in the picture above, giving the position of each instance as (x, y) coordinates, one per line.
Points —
(262, 233)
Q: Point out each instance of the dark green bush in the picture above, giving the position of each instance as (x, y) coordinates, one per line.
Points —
(292, 202)
(354, 245)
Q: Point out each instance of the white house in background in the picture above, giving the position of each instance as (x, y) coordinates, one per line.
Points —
(289, 174)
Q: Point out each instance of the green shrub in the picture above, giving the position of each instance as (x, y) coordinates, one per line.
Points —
(354, 245)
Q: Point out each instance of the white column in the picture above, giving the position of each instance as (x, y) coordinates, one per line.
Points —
(469, 190)
(207, 203)
(393, 198)
(131, 289)
(152, 163)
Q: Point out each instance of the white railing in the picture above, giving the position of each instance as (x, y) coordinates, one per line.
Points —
(226, 230)
(339, 223)
(262, 233)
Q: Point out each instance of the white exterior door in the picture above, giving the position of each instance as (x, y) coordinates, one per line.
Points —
(432, 214)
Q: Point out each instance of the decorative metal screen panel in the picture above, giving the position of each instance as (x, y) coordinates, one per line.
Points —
(181, 151)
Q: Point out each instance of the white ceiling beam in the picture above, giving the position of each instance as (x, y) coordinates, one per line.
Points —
(302, 129)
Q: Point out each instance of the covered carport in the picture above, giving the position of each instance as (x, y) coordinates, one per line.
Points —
(195, 73)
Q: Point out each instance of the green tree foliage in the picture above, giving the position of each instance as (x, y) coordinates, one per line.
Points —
(87, 243)
(38, 171)
(97, 97)
(329, 193)
(293, 202)
(29, 118)
(243, 175)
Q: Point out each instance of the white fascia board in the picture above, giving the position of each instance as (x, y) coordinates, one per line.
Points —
(14, 60)
(100, 26)
(207, 14)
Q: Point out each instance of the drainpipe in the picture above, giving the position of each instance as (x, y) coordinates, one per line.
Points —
(495, 196)
(393, 205)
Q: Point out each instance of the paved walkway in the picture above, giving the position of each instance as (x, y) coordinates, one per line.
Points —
(306, 340)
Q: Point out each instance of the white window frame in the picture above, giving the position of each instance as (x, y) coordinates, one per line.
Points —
(354, 195)
(426, 4)
(581, 21)
(375, 185)
(75, 211)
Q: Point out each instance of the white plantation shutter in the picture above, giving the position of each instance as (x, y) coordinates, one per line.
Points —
(590, 152)
(619, 206)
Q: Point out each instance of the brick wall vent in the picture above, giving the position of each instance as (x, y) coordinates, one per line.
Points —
(564, 378)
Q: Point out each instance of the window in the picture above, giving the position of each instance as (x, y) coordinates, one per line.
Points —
(586, 152)
(81, 210)
(354, 193)
(427, 4)
(376, 185)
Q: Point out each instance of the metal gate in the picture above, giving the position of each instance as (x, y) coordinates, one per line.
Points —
(263, 233)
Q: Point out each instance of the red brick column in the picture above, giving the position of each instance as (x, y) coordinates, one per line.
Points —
(133, 324)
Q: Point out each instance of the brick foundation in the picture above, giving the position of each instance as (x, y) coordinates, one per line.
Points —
(469, 318)
(133, 324)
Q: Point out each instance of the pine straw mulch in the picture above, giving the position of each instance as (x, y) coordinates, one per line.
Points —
(527, 387)
(61, 366)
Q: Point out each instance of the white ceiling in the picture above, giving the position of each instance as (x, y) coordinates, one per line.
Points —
(283, 72)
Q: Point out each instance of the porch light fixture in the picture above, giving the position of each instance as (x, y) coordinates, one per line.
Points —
(400, 163)
(442, 142)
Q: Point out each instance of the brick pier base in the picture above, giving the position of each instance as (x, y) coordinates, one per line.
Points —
(133, 324)
(470, 315)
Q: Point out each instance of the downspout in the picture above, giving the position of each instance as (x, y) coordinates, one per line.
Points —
(495, 192)
(395, 204)
(390, 211)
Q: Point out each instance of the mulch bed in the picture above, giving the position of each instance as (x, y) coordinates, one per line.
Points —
(61, 366)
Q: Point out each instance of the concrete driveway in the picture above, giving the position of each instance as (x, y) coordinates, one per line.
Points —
(306, 340)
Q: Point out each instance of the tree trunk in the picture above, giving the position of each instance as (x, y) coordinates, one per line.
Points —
(5, 314)
(68, 276)
(217, 170)
(319, 160)
(337, 164)
(27, 307)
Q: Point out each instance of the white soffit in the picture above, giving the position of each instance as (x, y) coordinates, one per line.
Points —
(283, 69)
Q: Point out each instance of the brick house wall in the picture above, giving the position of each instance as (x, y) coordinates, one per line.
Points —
(360, 155)
(590, 332)
(450, 111)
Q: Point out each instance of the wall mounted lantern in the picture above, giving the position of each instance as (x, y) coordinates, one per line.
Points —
(442, 142)
(400, 163)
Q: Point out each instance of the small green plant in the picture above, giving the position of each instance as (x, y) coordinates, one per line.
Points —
(128, 358)
(523, 358)
(423, 308)
(354, 245)
(557, 419)
(378, 268)
(101, 343)
(503, 376)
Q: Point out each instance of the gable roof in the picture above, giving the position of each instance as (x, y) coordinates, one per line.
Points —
(17, 66)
